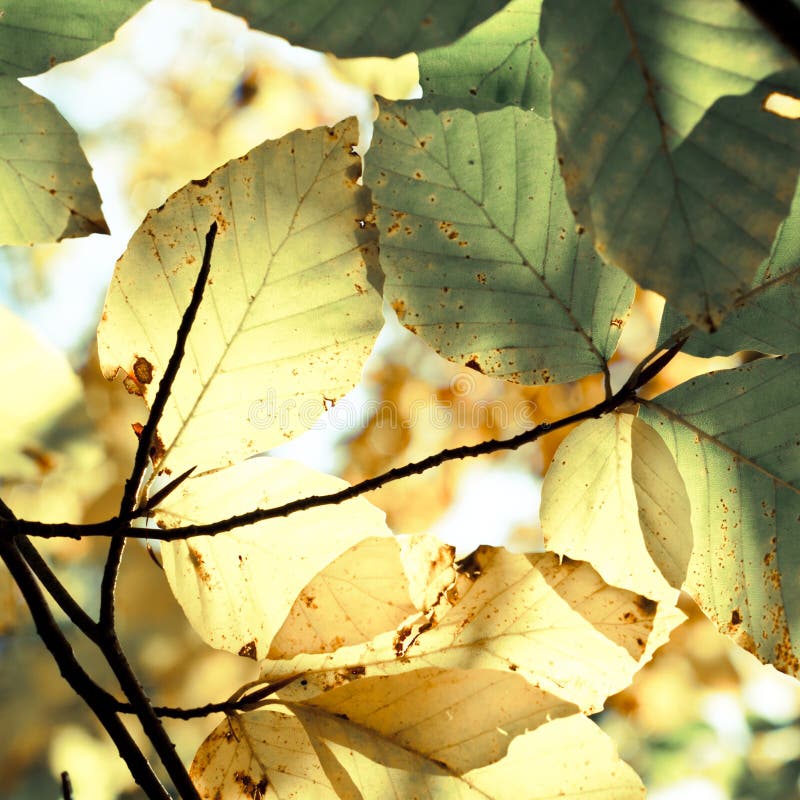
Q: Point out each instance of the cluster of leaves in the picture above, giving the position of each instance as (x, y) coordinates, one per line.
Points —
(562, 152)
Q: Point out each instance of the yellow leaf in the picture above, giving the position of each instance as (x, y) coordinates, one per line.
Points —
(289, 313)
(613, 496)
(461, 719)
(558, 625)
(237, 588)
(271, 755)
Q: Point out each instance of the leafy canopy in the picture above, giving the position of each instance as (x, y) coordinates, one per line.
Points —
(563, 152)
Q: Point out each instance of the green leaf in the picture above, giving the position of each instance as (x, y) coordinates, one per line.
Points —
(289, 314)
(670, 160)
(249, 754)
(237, 588)
(559, 625)
(35, 36)
(765, 317)
(500, 61)
(351, 28)
(613, 496)
(45, 180)
(479, 246)
(734, 437)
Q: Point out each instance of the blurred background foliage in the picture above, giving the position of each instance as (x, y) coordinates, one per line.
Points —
(181, 90)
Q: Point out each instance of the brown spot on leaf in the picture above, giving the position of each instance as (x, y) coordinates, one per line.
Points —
(646, 605)
(143, 370)
(248, 650)
(196, 557)
(202, 181)
(399, 307)
(358, 670)
(250, 788)
(736, 617)
(481, 278)
(473, 364)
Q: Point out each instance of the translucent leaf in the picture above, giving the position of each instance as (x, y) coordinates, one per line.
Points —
(237, 588)
(613, 496)
(362, 593)
(289, 314)
(460, 719)
(272, 754)
(45, 387)
(669, 159)
(479, 245)
(261, 754)
(499, 60)
(35, 36)
(765, 316)
(46, 187)
(734, 437)
(350, 28)
(558, 625)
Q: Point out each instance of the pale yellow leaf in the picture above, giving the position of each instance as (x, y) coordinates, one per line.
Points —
(270, 755)
(360, 594)
(369, 589)
(461, 719)
(40, 387)
(613, 496)
(259, 755)
(237, 588)
(568, 759)
(289, 314)
(559, 625)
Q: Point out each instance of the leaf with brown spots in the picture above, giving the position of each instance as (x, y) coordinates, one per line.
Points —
(369, 589)
(560, 626)
(322, 753)
(734, 436)
(487, 217)
(289, 314)
(237, 588)
(671, 162)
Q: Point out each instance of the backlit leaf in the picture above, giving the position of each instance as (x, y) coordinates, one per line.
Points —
(613, 496)
(362, 593)
(479, 245)
(237, 588)
(765, 317)
(45, 386)
(46, 182)
(289, 314)
(499, 60)
(670, 160)
(558, 625)
(734, 437)
(46, 187)
(460, 719)
(269, 755)
(350, 28)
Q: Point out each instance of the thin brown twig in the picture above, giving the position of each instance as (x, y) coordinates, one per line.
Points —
(99, 701)
(130, 494)
(624, 395)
